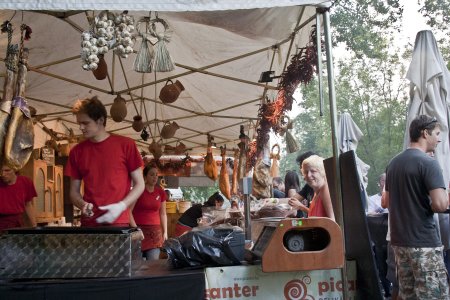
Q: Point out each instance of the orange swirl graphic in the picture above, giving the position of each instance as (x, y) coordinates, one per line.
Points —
(295, 290)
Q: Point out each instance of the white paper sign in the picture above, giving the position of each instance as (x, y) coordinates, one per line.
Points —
(250, 282)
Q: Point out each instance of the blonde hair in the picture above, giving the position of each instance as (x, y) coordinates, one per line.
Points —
(314, 161)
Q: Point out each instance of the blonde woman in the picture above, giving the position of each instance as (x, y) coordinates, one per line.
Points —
(314, 174)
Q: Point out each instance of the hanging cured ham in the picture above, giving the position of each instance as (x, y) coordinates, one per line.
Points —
(242, 168)
(210, 166)
(234, 181)
(19, 139)
(224, 179)
(261, 175)
(8, 87)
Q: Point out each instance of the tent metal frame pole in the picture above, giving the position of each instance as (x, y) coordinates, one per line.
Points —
(333, 117)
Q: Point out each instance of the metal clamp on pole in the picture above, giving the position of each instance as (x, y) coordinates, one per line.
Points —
(245, 185)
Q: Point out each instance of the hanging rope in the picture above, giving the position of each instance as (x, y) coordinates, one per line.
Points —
(163, 62)
(11, 50)
(144, 58)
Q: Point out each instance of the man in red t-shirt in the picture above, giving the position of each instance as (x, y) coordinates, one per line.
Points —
(16, 195)
(107, 164)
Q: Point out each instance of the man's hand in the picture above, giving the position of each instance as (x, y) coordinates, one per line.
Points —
(87, 210)
(113, 212)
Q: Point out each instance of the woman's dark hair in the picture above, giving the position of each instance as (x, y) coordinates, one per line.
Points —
(291, 181)
(213, 198)
(147, 168)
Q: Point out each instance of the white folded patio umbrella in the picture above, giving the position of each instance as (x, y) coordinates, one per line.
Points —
(430, 87)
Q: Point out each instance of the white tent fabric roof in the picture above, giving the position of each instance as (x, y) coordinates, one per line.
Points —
(155, 5)
(219, 57)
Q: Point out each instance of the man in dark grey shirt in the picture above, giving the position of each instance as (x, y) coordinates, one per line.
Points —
(415, 190)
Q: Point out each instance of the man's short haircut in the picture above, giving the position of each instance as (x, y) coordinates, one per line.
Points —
(303, 156)
(422, 122)
(314, 161)
(92, 107)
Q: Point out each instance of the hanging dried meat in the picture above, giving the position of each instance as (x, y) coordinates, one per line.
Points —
(210, 166)
(19, 139)
(224, 178)
(234, 181)
(8, 87)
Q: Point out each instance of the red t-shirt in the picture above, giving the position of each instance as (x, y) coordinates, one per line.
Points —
(146, 210)
(13, 199)
(105, 169)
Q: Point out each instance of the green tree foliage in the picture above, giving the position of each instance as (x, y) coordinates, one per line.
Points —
(362, 24)
(199, 194)
(369, 86)
(376, 99)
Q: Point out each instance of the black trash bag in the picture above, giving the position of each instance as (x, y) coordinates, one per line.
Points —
(206, 247)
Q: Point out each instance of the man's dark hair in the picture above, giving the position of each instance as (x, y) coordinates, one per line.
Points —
(422, 122)
(92, 107)
(303, 156)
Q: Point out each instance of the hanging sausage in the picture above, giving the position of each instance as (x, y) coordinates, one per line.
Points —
(234, 182)
(224, 179)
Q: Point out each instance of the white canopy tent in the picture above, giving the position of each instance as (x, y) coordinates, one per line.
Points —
(220, 48)
(219, 54)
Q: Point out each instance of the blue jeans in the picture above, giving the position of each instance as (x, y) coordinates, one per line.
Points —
(151, 254)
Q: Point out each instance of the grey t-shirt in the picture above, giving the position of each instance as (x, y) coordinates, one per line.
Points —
(409, 177)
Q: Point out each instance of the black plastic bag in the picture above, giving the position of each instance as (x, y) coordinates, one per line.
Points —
(202, 247)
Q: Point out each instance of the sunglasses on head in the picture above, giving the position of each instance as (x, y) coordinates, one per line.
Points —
(433, 120)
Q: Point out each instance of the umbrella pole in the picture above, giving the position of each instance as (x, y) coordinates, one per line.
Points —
(333, 115)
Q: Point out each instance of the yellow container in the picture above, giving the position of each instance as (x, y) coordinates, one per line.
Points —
(183, 206)
(171, 207)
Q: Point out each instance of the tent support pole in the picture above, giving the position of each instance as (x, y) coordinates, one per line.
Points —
(333, 115)
(224, 76)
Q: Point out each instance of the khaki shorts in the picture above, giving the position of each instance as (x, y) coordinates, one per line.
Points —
(421, 273)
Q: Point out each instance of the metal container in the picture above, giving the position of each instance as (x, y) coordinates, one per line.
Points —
(69, 252)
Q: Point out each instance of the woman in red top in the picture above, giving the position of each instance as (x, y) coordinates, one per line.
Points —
(149, 214)
(16, 195)
(314, 173)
